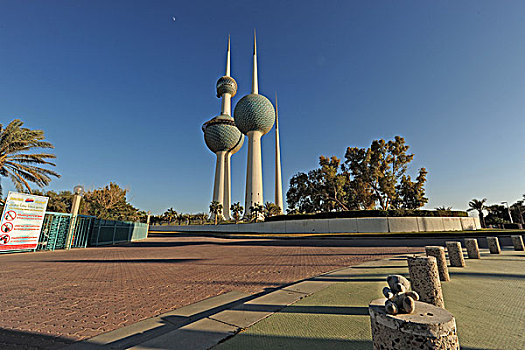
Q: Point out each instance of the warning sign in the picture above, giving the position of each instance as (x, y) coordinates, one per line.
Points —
(7, 227)
(22, 221)
(10, 215)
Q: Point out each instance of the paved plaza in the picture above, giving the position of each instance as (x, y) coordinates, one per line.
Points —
(52, 299)
(486, 298)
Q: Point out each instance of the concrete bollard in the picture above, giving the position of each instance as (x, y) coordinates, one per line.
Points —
(517, 241)
(439, 253)
(472, 248)
(493, 245)
(455, 254)
(424, 278)
(428, 327)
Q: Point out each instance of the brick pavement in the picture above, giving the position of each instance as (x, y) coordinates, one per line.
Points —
(53, 298)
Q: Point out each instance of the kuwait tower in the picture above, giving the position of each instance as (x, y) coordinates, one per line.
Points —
(224, 139)
(254, 116)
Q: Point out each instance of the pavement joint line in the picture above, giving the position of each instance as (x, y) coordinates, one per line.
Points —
(226, 323)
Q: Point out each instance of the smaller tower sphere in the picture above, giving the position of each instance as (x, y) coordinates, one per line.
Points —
(221, 134)
(254, 112)
(226, 85)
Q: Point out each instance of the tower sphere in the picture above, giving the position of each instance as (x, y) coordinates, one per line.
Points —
(226, 85)
(221, 134)
(254, 112)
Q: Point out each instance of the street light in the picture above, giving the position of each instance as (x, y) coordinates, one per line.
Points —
(508, 210)
(78, 192)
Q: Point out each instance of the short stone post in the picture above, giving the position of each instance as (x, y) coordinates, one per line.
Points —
(472, 248)
(455, 254)
(517, 241)
(439, 253)
(424, 278)
(493, 245)
(428, 327)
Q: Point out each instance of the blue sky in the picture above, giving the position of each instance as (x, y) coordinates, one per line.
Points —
(122, 90)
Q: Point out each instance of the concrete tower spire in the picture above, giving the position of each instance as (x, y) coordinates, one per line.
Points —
(224, 139)
(278, 177)
(228, 58)
(226, 105)
(255, 83)
(254, 116)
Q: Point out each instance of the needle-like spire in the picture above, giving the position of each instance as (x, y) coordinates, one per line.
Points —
(278, 177)
(255, 85)
(228, 58)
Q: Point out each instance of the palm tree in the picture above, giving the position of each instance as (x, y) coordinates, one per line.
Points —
(236, 209)
(478, 205)
(16, 160)
(271, 209)
(169, 215)
(256, 211)
(443, 208)
(215, 210)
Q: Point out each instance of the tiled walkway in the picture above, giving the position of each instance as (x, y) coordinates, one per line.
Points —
(53, 298)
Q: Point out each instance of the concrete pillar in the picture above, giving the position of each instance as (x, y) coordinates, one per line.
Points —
(424, 278)
(439, 253)
(428, 327)
(226, 105)
(254, 184)
(493, 243)
(218, 188)
(517, 241)
(472, 248)
(227, 186)
(455, 254)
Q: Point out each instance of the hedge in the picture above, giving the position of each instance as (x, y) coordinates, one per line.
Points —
(369, 214)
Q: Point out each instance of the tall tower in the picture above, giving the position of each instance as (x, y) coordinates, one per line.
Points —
(278, 177)
(254, 116)
(224, 139)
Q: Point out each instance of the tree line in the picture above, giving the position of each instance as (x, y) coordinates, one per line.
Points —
(375, 177)
(498, 214)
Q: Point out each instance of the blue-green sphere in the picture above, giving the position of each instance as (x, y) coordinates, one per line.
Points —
(221, 134)
(254, 112)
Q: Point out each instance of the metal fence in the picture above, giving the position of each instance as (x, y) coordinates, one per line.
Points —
(107, 232)
(88, 230)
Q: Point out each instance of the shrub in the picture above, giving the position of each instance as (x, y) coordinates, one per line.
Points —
(370, 213)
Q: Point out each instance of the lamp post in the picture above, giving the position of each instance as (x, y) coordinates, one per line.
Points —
(508, 210)
(78, 192)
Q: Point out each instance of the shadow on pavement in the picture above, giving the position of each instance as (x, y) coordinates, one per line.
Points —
(14, 339)
(484, 274)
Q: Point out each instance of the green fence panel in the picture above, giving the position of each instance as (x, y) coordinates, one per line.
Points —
(106, 232)
(54, 231)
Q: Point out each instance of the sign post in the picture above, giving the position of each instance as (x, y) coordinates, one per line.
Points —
(22, 221)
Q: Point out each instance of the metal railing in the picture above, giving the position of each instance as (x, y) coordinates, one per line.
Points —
(88, 231)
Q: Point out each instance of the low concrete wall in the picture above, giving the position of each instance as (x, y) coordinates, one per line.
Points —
(352, 225)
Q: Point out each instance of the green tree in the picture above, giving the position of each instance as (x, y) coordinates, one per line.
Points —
(237, 210)
(369, 177)
(169, 215)
(271, 209)
(381, 173)
(479, 206)
(443, 208)
(58, 202)
(215, 210)
(411, 194)
(183, 218)
(518, 209)
(109, 203)
(256, 211)
(17, 160)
